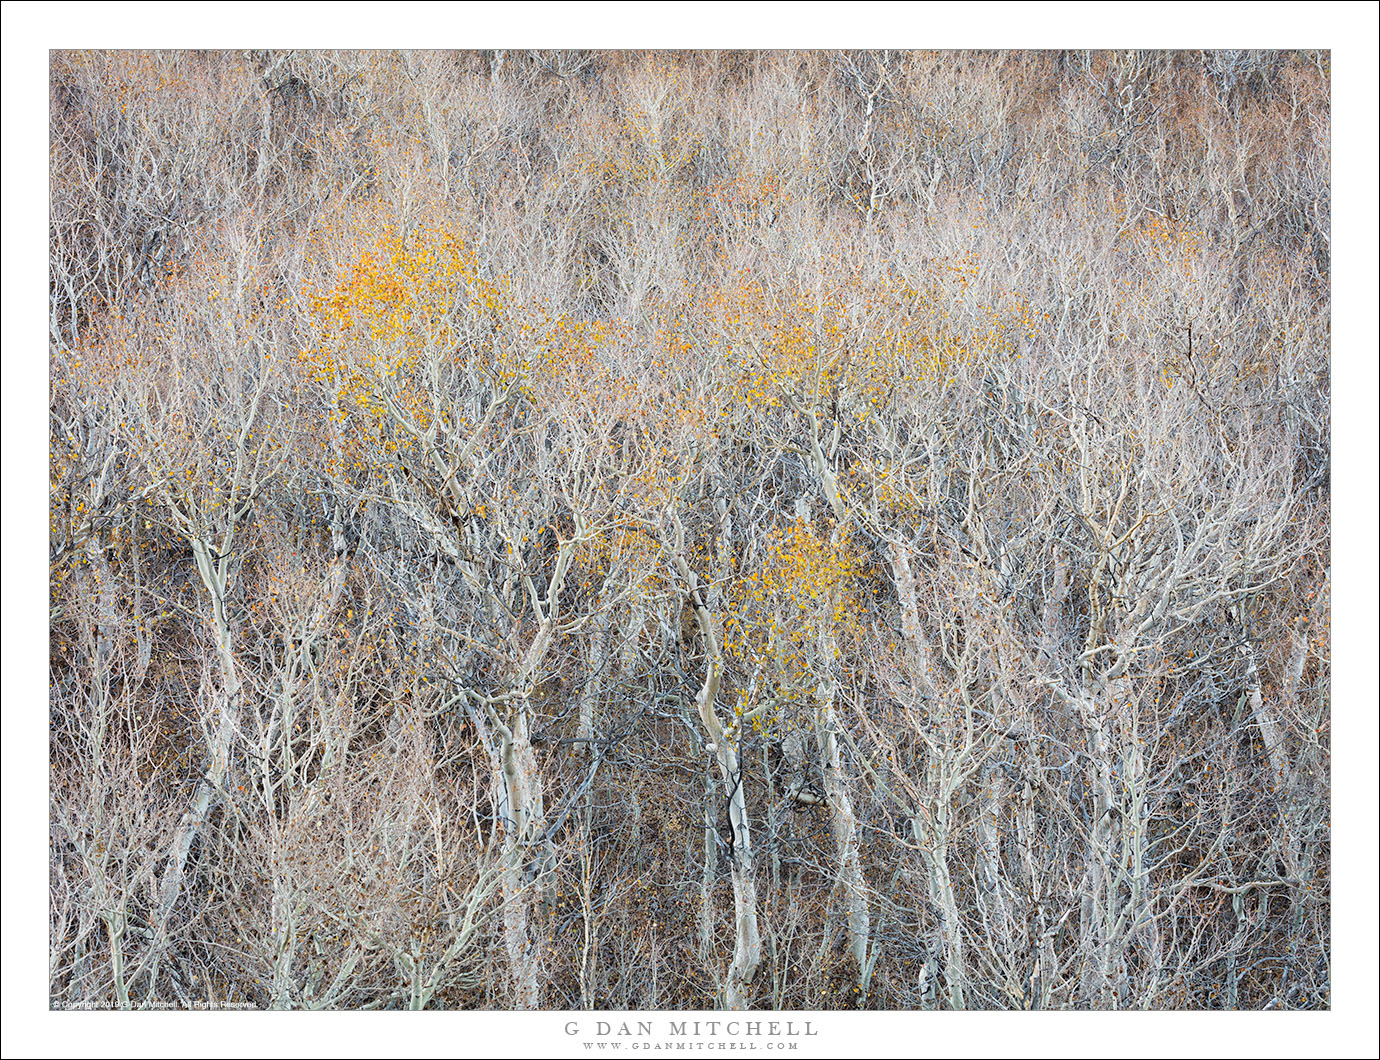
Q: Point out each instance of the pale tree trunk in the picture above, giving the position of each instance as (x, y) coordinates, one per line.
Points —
(214, 569)
(930, 826)
(1040, 940)
(632, 639)
(520, 874)
(747, 946)
(1100, 878)
(589, 695)
(518, 797)
(1116, 902)
(1305, 810)
(528, 850)
(843, 821)
(1003, 919)
(1295, 781)
(708, 874)
(932, 837)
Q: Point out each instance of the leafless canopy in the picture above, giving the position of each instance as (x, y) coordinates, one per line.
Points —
(658, 530)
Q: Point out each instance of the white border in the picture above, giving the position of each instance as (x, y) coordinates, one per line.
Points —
(1349, 30)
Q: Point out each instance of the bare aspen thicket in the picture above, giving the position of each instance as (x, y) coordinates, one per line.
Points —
(620, 530)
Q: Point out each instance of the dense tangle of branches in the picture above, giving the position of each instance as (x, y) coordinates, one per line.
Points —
(596, 530)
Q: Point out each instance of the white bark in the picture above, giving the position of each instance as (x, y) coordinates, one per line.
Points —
(747, 946)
